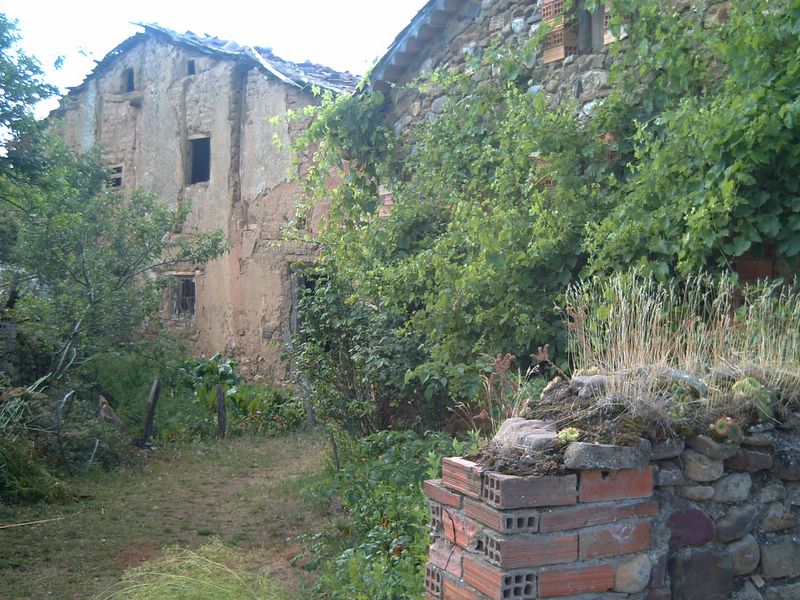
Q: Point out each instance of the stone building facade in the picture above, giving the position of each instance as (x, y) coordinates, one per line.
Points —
(190, 119)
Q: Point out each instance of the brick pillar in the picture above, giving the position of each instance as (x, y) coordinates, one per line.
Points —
(504, 537)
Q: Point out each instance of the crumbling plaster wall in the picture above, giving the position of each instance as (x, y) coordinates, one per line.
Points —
(243, 298)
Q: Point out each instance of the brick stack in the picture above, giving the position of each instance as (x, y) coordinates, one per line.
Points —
(505, 537)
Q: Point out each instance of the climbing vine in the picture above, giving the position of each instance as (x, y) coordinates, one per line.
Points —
(501, 199)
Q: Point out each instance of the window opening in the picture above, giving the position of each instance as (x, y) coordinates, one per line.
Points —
(199, 160)
(115, 177)
(191, 67)
(129, 81)
(182, 297)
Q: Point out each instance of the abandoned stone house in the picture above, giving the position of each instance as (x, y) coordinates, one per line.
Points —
(188, 118)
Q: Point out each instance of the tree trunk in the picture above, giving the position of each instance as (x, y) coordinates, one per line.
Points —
(222, 417)
(150, 415)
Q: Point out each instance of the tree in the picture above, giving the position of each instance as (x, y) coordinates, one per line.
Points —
(79, 262)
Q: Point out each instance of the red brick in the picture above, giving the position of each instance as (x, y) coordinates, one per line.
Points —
(459, 529)
(596, 486)
(575, 517)
(446, 556)
(462, 476)
(497, 584)
(576, 580)
(433, 581)
(611, 540)
(511, 491)
(530, 551)
(454, 590)
(526, 521)
(435, 490)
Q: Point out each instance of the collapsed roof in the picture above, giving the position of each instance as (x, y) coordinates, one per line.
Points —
(300, 75)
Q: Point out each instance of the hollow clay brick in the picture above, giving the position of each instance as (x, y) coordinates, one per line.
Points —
(575, 517)
(435, 490)
(576, 580)
(615, 539)
(596, 486)
(510, 491)
(462, 476)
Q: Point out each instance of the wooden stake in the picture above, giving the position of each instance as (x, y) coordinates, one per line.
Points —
(222, 416)
(150, 415)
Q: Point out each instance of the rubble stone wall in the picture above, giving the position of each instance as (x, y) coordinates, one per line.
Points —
(688, 519)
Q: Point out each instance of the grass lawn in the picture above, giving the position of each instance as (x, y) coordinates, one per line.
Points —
(247, 492)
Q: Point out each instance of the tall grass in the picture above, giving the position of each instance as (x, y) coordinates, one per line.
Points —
(703, 330)
(208, 573)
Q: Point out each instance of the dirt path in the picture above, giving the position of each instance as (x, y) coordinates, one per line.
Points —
(243, 491)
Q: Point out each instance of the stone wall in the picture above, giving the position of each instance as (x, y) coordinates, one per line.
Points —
(682, 520)
(505, 23)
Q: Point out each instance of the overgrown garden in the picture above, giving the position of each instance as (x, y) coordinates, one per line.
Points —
(527, 239)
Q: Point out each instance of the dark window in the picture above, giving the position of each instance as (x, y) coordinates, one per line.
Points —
(129, 82)
(182, 297)
(115, 177)
(191, 68)
(199, 160)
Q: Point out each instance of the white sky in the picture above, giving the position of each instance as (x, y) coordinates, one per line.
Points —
(343, 34)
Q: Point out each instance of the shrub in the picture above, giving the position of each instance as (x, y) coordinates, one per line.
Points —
(379, 553)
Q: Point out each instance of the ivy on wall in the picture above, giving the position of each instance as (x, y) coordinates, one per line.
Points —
(501, 199)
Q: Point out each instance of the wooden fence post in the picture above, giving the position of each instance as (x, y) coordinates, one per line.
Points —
(222, 417)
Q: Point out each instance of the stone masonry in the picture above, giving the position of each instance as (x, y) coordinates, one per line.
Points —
(703, 520)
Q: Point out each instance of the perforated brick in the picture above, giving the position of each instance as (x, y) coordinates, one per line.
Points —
(455, 590)
(459, 529)
(510, 491)
(433, 581)
(574, 517)
(518, 521)
(435, 490)
(446, 556)
(578, 579)
(614, 539)
(528, 551)
(462, 476)
(597, 486)
(435, 523)
(497, 584)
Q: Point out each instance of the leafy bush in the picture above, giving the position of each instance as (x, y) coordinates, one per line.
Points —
(208, 573)
(23, 477)
(380, 551)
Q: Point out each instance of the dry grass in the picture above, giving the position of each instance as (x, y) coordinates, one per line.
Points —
(663, 344)
(244, 491)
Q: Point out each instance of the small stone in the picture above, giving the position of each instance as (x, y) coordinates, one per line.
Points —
(733, 488)
(633, 575)
(518, 25)
(776, 518)
(790, 591)
(748, 592)
(671, 448)
(757, 580)
(416, 107)
(749, 460)
(745, 555)
(668, 474)
(758, 440)
(584, 456)
(698, 493)
(780, 557)
(701, 574)
(712, 449)
(772, 492)
(699, 467)
(439, 103)
(528, 434)
(690, 527)
(402, 123)
(793, 494)
(738, 522)
(787, 462)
